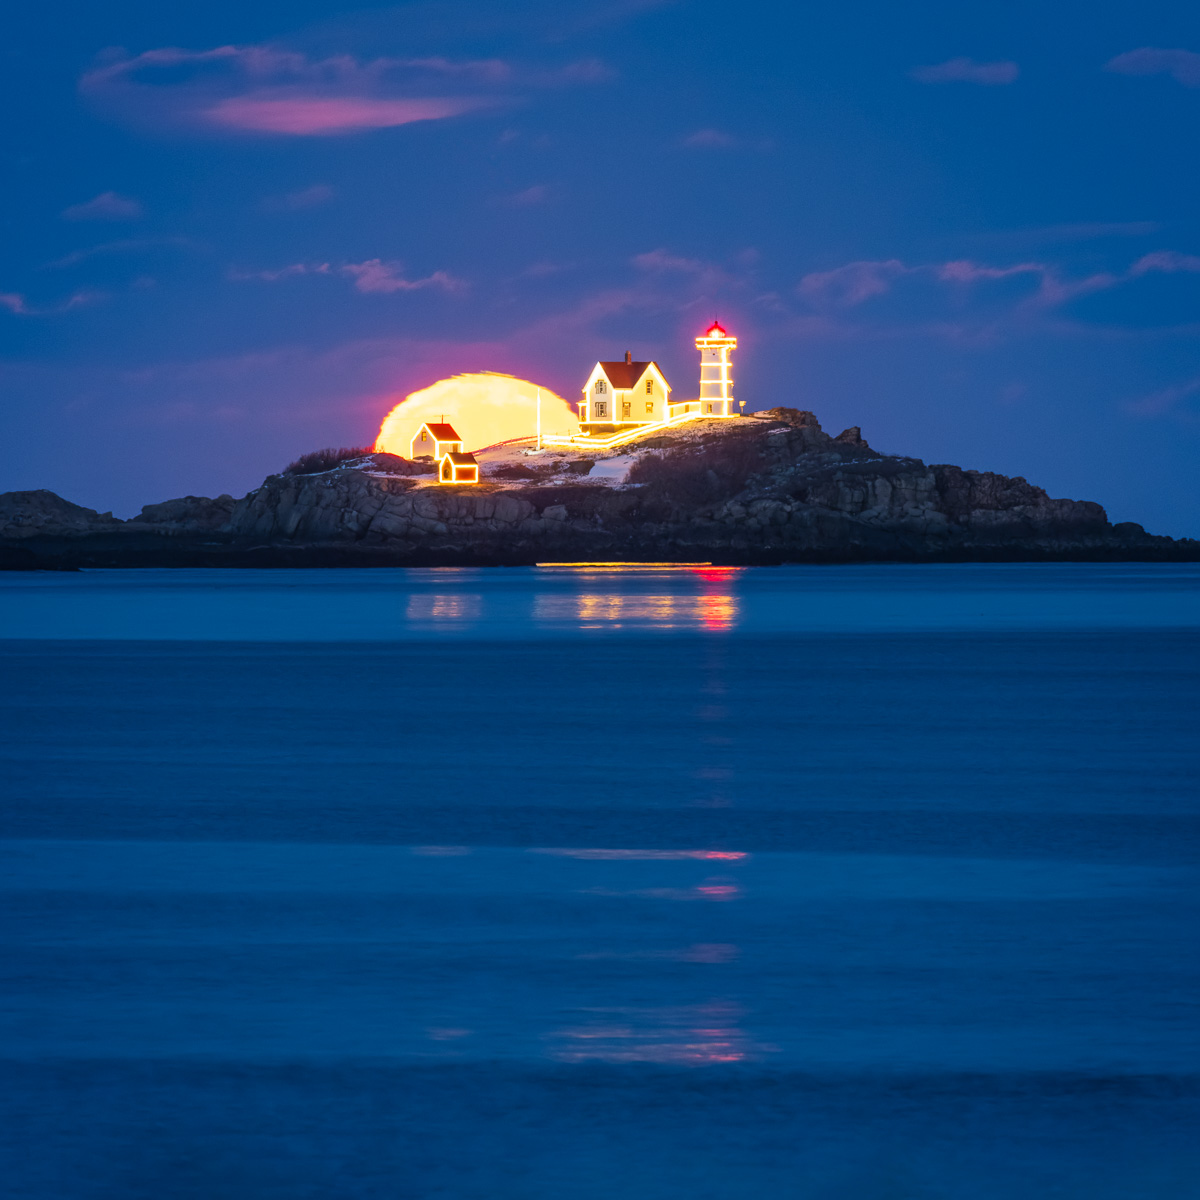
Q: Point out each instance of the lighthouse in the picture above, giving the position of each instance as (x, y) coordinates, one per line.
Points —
(716, 380)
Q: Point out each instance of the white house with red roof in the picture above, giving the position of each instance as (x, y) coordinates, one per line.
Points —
(435, 439)
(623, 394)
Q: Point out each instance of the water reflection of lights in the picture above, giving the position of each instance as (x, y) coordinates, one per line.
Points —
(642, 855)
(618, 610)
(710, 889)
(712, 607)
(450, 606)
(699, 1035)
(701, 952)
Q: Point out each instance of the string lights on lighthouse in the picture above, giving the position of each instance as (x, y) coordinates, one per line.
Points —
(716, 381)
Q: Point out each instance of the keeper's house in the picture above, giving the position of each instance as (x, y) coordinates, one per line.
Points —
(622, 395)
(434, 440)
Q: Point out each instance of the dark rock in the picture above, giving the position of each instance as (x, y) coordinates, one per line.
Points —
(40, 512)
(188, 513)
(512, 471)
(775, 488)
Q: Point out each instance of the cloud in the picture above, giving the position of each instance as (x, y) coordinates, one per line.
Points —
(1182, 65)
(967, 70)
(856, 282)
(530, 197)
(305, 198)
(1167, 400)
(122, 246)
(269, 91)
(1167, 261)
(845, 287)
(372, 275)
(108, 206)
(545, 269)
(711, 138)
(323, 116)
(979, 302)
(289, 272)
(965, 271)
(19, 306)
(660, 260)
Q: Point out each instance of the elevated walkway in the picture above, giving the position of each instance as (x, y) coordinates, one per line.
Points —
(583, 441)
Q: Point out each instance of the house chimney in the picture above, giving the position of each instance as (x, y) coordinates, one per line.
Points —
(628, 357)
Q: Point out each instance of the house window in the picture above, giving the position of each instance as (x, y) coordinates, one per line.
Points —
(424, 436)
(600, 386)
(649, 387)
(708, 408)
(626, 408)
(601, 409)
(649, 406)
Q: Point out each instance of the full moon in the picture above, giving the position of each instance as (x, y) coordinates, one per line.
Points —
(484, 408)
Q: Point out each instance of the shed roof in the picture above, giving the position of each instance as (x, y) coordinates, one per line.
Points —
(460, 460)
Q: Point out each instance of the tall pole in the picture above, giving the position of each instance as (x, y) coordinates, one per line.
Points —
(539, 418)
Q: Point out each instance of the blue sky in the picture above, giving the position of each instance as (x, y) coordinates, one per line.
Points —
(236, 232)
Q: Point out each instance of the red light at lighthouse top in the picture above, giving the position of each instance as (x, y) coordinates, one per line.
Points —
(715, 331)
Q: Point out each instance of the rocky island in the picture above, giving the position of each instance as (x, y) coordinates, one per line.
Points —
(768, 488)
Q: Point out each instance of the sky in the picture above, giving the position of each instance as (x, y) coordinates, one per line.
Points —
(236, 232)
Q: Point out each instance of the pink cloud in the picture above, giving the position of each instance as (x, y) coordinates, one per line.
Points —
(108, 206)
(660, 260)
(964, 271)
(1167, 261)
(967, 70)
(374, 275)
(309, 115)
(123, 246)
(710, 138)
(1182, 65)
(531, 196)
(289, 272)
(1165, 401)
(19, 306)
(277, 92)
(310, 197)
(852, 284)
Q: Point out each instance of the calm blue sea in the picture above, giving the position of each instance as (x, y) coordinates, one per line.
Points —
(572, 883)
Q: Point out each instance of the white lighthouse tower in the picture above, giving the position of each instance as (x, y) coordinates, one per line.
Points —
(716, 381)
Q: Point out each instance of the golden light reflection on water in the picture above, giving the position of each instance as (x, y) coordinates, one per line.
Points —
(715, 607)
(601, 855)
(448, 606)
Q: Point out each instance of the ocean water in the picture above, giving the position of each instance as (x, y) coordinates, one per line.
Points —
(544, 884)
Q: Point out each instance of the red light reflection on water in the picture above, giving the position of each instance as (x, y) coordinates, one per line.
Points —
(717, 606)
